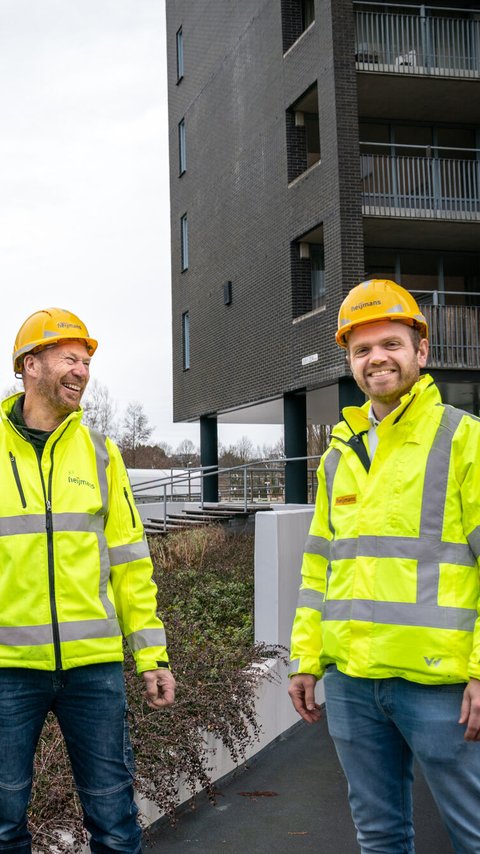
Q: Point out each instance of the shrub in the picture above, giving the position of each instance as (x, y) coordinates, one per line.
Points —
(205, 595)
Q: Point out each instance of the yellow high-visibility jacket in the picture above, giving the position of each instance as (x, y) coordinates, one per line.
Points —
(75, 569)
(390, 575)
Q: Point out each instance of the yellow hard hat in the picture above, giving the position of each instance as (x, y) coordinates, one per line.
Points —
(378, 299)
(49, 326)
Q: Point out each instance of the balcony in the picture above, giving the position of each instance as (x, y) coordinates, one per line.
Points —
(422, 42)
(454, 329)
(426, 187)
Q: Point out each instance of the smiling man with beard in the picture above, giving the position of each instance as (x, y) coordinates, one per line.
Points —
(389, 601)
(75, 577)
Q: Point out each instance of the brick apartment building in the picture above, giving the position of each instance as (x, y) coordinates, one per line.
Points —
(315, 143)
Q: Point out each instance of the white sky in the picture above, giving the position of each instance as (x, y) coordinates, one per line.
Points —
(84, 197)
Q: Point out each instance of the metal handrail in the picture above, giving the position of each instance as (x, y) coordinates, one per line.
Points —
(427, 148)
(420, 186)
(390, 40)
(419, 7)
(203, 472)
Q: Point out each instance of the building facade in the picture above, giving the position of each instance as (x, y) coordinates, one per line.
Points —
(313, 144)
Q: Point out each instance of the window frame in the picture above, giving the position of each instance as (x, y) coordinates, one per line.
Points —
(180, 54)
(184, 242)
(186, 340)
(182, 147)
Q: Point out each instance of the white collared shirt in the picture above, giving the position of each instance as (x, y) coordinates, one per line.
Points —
(372, 433)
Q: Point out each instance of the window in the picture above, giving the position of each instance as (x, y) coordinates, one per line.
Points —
(186, 340)
(182, 150)
(303, 134)
(179, 39)
(450, 278)
(308, 13)
(297, 15)
(308, 273)
(317, 273)
(184, 241)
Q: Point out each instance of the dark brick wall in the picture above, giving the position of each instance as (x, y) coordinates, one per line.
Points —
(243, 217)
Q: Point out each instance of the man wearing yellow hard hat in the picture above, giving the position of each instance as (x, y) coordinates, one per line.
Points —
(389, 601)
(75, 577)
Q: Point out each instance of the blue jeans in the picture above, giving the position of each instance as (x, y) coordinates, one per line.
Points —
(90, 705)
(379, 726)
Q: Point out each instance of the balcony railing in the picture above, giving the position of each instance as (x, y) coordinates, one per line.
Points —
(427, 187)
(454, 335)
(420, 42)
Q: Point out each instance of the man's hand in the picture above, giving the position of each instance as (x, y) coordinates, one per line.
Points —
(302, 695)
(470, 711)
(160, 690)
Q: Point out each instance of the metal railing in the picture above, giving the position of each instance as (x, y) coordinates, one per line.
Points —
(454, 330)
(403, 185)
(418, 42)
(252, 483)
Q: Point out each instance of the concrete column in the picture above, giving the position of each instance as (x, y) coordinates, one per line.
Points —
(295, 421)
(349, 394)
(209, 455)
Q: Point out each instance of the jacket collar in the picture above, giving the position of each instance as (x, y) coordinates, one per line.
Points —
(421, 396)
(6, 406)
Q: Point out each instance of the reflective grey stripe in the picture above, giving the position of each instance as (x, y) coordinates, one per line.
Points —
(293, 666)
(39, 635)
(317, 546)
(35, 523)
(104, 575)
(474, 541)
(125, 554)
(308, 598)
(85, 522)
(400, 614)
(428, 549)
(32, 524)
(146, 638)
(433, 506)
(330, 467)
(102, 460)
(87, 629)
(26, 635)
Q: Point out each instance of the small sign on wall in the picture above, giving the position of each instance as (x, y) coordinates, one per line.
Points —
(308, 360)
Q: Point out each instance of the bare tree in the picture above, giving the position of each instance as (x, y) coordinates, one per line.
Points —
(186, 454)
(12, 389)
(318, 438)
(99, 409)
(136, 431)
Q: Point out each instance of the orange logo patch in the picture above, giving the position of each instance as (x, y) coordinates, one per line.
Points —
(346, 499)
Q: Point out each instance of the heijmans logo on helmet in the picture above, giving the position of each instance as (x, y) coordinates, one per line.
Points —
(63, 325)
(365, 304)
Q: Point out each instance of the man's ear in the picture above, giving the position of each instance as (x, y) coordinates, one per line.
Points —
(30, 365)
(422, 354)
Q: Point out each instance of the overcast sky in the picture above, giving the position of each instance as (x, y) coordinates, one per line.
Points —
(84, 198)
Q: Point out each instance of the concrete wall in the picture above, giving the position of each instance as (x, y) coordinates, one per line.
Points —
(279, 541)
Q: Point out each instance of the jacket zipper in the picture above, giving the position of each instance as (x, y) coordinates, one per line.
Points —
(17, 480)
(50, 556)
(129, 506)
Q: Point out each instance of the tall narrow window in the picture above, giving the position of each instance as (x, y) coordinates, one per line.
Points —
(317, 266)
(179, 54)
(186, 340)
(182, 150)
(184, 241)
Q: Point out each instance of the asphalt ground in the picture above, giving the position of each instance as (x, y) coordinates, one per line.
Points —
(292, 799)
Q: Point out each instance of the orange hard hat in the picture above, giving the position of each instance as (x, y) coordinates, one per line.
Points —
(374, 300)
(49, 326)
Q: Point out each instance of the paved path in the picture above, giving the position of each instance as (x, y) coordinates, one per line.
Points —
(307, 809)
